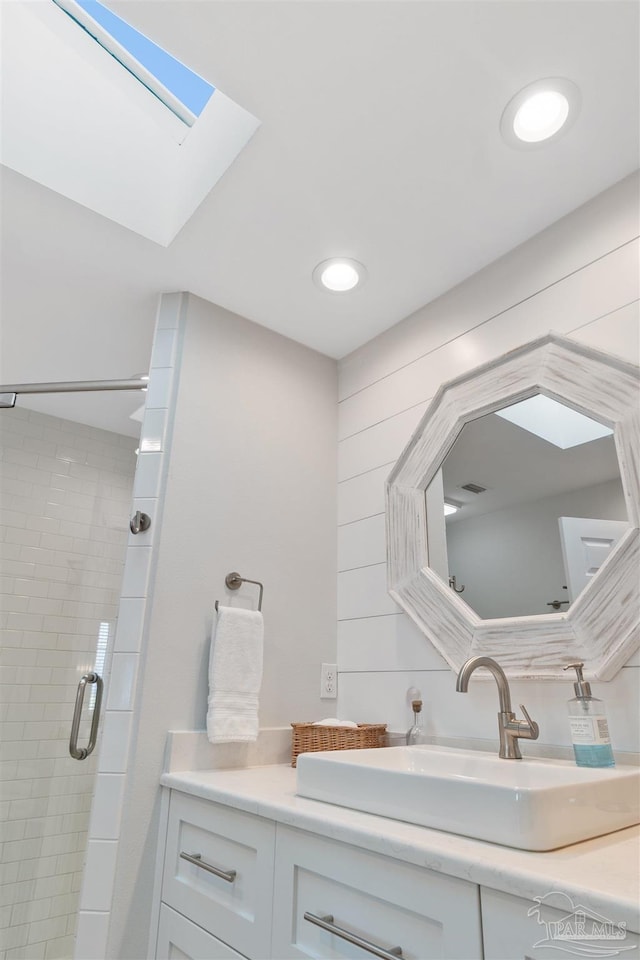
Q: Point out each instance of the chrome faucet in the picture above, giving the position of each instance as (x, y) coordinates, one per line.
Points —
(509, 728)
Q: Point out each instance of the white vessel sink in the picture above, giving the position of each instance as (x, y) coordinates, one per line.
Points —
(532, 804)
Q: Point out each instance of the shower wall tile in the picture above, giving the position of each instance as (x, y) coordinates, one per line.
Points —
(147, 482)
(136, 572)
(100, 868)
(106, 812)
(114, 747)
(158, 394)
(91, 935)
(154, 430)
(64, 531)
(164, 348)
(124, 667)
(130, 621)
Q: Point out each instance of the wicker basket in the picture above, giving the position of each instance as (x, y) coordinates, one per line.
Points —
(309, 737)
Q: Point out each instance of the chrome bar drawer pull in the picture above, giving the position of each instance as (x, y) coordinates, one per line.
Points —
(326, 922)
(81, 753)
(196, 859)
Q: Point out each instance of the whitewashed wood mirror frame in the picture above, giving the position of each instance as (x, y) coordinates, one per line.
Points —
(602, 625)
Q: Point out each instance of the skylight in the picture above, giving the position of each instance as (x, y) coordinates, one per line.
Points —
(179, 88)
(554, 422)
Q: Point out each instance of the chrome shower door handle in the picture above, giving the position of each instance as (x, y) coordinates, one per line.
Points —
(81, 753)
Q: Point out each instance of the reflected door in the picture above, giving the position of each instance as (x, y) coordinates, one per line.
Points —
(586, 544)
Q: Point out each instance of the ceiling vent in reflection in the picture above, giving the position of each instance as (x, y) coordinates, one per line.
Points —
(473, 488)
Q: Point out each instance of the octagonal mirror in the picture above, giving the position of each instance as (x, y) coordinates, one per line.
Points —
(512, 515)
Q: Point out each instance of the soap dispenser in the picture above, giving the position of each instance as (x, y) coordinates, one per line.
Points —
(588, 723)
(416, 733)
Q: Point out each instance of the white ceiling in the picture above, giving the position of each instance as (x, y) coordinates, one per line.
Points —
(379, 140)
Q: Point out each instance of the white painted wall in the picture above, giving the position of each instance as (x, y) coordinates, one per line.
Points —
(251, 487)
(510, 560)
(578, 278)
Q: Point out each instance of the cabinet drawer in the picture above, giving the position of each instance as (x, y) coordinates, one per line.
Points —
(179, 939)
(380, 900)
(510, 933)
(236, 908)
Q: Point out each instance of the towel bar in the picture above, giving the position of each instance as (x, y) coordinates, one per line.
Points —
(233, 581)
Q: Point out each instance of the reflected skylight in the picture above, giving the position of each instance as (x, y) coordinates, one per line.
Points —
(167, 78)
(554, 422)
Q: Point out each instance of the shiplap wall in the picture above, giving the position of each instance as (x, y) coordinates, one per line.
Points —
(578, 278)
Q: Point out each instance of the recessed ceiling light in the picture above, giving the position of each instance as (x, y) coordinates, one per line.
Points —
(339, 274)
(540, 112)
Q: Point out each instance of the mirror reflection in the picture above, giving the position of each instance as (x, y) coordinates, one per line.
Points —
(533, 502)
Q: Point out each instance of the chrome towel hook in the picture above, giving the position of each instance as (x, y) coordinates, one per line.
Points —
(233, 581)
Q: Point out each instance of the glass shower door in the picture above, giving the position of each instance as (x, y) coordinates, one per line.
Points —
(66, 494)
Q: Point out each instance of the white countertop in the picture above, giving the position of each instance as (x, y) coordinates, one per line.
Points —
(603, 874)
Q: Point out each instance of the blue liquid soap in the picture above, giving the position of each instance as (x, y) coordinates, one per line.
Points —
(594, 755)
(589, 727)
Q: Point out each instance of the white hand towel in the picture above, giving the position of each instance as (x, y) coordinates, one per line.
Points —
(235, 675)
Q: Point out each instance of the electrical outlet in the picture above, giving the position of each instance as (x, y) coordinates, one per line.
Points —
(329, 681)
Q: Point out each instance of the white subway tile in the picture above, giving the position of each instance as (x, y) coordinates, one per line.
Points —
(91, 935)
(25, 621)
(15, 937)
(136, 572)
(32, 588)
(97, 887)
(25, 458)
(121, 686)
(154, 429)
(45, 605)
(12, 518)
(164, 348)
(148, 474)
(47, 929)
(51, 464)
(169, 310)
(28, 538)
(36, 555)
(159, 391)
(30, 912)
(34, 869)
(106, 812)
(14, 603)
(130, 623)
(114, 745)
(73, 454)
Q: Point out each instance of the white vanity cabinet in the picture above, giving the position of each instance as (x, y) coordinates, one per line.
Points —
(268, 874)
(517, 929)
(179, 939)
(254, 872)
(218, 874)
(365, 897)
